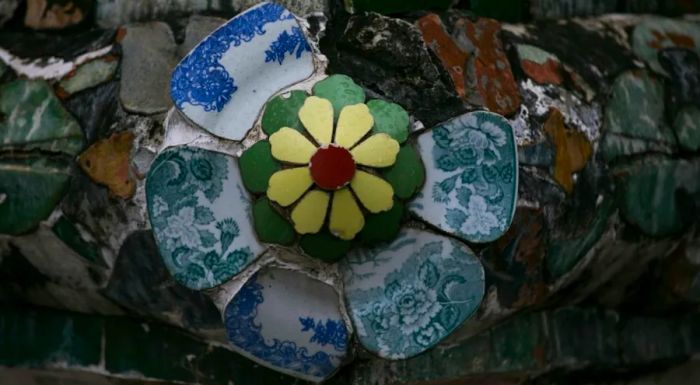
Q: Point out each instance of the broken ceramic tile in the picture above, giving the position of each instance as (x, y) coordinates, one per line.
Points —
(405, 297)
(224, 82)
(88, 75)
(200, 214)
(290, 322)
(471, 176)
(656, 33)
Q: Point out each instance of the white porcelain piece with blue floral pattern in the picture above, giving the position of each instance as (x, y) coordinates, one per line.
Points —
(290, 322)
(224, 82)
(404, 297)
(471, 179)
(200, 215)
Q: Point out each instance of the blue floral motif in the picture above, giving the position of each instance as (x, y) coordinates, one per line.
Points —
(200, 79)
(287, 43)
(244, 332)
(333, 332)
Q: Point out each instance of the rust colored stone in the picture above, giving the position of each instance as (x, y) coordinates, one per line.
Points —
(571, 149)
(452, 57)
(492, 75)
(108, 162)
(680, 40)
(547, 73)
(42, 16)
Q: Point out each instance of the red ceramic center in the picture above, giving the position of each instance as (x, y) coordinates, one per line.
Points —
(332, 167)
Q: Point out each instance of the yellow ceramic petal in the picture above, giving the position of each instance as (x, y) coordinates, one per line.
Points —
(317, 117)
(346, 217)
(308, 216)
(375, 193)
(354, 122)
(287, 186)
(377, 151)
(289, 145)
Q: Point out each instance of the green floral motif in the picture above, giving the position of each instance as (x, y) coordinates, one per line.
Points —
(423, 298)
(472, 187)
(195, 232)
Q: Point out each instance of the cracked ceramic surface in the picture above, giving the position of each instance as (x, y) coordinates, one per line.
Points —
(224, 82)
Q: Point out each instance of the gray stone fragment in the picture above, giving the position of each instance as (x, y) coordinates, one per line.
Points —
(113, 13)
(299, 7)
(198, 27)
(149, 58)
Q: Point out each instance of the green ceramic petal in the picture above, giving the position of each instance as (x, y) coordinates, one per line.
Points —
(389, 118)
(324, 246)
(383, 226)
(340, 90)
(283, 111)
(270, 225)
(407, 174)
(257, 166)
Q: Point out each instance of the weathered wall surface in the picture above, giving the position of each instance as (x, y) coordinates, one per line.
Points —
(599, 273)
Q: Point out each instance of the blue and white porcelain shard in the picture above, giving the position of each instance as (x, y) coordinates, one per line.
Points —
(200, 215)
(224, 82)
(290, 322)
(471, 179)
(405, 297)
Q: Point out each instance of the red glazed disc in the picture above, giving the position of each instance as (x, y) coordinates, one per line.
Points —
(332, 167)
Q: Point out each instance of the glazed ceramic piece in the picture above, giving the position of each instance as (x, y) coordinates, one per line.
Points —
(200, 214)
(290, 322)
(471, 179)
(403, 298)
(224, 82)
(657, 33)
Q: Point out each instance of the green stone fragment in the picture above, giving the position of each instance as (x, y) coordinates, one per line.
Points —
(324, 246)
(407, 174)
(257, 166)
(69, 234)
(90, 74)
(30, 188)
(389, 118)
(687, 127)
(283, 111)
(340, 90)
(270, 225)
(382, 227)
(35, 119)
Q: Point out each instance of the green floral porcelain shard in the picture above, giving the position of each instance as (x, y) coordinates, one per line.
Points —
(36, 120)
(340, 90)
(270, 225)
(389, 118)
(257, 166)
(30, 188)
(283, 111)
(199, 212)
(407, 175)
(324, 246)
(382, 227)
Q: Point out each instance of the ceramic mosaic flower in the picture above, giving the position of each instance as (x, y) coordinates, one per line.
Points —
(334, 177)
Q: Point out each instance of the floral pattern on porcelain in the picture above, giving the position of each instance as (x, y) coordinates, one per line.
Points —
(203, 239)
(407, 296)
(288, 321)
(471, 188)
(223, 83)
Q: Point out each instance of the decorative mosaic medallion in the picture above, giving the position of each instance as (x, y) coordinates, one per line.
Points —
(406, 297)
(472, 176)
(290, 322)
(224, 82)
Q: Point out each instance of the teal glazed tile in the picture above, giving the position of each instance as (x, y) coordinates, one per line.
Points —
(654, 34)
(471, 182)
(224, 82)
(289, 322)
(405, 297)
(200, 214)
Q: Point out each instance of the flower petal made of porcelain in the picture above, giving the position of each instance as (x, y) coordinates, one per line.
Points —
(375, 193)
(346, 217)
(227, 78)
(287, 186)
(289, 145)
(377, 151)
(310, 214)
(354, 123)
(317, 117)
